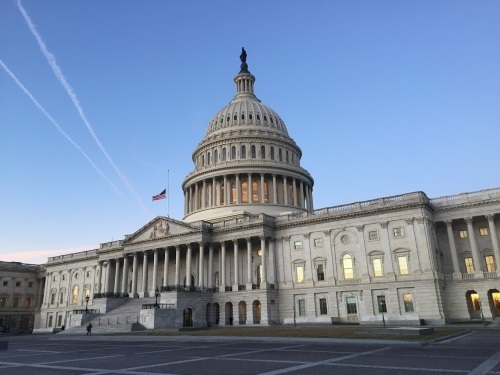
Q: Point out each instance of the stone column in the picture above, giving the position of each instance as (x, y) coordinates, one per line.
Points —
(192, 200)
(226, 192)
(264, 260)
(39, 293)
(308, 201)
(144, 292)
(177, 265)
(117, 276)
(294, 189)
(155, 273)
(250, 190)
(165, 267)
(285, 191)
(453, 250)
(311, 197)
(200, 270)
(223, 268)
(249, 264)
(134, 277)
(238, 189)
(211, 266)
(106, 279)
(272, 262)
(185, 202)
(275, 193)
(236, 273)
(301, 191)
(204, 194)
(99, 280)
(478, 266)
(494, 240)
(125, 274)
(196, 199)
(214, 196)
(188, 266)
(262, 190)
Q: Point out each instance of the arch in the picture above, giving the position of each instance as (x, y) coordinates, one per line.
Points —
(75, 292)
(187, 317)
(216, 310)
(262, 152)
(256, 309)
(224, 154)
(494, 302)
(253, 152)
(229, 314)
(243, 152)
(216, 156)
(242, 312)
(347, 261)
(233, 152)
(473, 304)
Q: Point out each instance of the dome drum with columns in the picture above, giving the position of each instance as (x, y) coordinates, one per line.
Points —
(247, 163)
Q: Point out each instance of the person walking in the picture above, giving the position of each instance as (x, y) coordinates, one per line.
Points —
(89, 329)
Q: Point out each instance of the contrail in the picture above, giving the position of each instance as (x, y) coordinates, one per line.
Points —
(58, 127)
(69, 90)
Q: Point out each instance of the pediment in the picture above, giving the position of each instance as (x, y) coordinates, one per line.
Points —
(158, 228)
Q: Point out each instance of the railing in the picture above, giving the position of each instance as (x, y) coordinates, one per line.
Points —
(349, 281)
(490, 275)
(271, 286)
(80, 255)
(110, 295)
(255, 286)
(180, 288)
(467, 276)
(448, 277)
(212, 290)
(88, 311)
(107, 245)
(466, 197)
(162, 306)
(21, 266)
(228, 289)
(242, 287)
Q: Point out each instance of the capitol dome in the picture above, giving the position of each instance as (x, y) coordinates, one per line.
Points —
(246, 163)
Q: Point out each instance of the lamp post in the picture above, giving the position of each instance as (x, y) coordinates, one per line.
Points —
(87, 305)
(482, 315)
(157, 294)
(382, 308)
(294, 317)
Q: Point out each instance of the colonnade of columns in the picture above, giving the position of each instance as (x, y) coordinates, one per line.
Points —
(476, 255)
(121, 274)
(248, 188)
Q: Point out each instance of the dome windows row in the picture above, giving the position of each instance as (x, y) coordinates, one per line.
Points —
(247, 152)
(260, 118)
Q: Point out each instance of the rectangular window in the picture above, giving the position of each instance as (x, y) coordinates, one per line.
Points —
(64, 277)
(408, 302)
(297, 245)
(54, 278)
(18, 283)
(61, 297)
(483, 231)
(463, 234)
(5, 283)
(351, 305)
(2, 301)
(403, 265)
(302, 307)
(318, 242)
(16, 302)
(382, 306)
(266, 192)
(323, 309)
(300, 274)
(377, 267)
(30, 284)
(27, 303)
(490, 263)
(469, 265)
(255, 191)
(52, 298)
(398, 232)
(373, 235)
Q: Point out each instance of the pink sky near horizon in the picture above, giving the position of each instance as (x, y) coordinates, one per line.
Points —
(41, 256)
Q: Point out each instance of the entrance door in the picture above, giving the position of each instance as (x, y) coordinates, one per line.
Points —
(187, 317)
(352, 309)
(494, 297)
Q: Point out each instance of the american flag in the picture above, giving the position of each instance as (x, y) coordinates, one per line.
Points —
(162, 195)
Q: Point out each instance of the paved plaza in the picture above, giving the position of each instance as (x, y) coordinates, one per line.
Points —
(473, 353)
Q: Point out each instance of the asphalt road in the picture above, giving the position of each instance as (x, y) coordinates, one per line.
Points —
(475, 353)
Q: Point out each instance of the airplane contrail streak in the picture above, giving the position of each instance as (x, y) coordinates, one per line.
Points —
(69, 90)
(58, 127)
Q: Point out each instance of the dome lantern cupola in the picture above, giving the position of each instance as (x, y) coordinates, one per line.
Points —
(246, 163)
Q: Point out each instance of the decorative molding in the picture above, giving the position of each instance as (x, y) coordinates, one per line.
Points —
(360, 228)
(409, 221)
(468, 220)
(286, 238)
(306, 235)
(327, 232)
(448, 223)
(384, 224)
(490, 217)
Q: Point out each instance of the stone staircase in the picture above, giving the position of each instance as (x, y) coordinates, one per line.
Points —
(124, 318)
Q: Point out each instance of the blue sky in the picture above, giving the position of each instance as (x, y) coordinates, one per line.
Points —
(383, 97)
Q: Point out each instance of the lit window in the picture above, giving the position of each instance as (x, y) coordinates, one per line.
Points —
(318, 242)
(377, 267)
(255, 191)
(222, 195)
(382, 306)
(408, 302)
(323, 309)
(87, 293)
(483, 231)
(469, 265)
(398, 232)
(233, 191)
(244, 191)
(266, 192)
(75, 294)
(373, 235)
(297, 245)
(351, 305)
(321, 273)
(403, 265)
(490, 263)
(300, 274)
(463, 234)
(302, 307)
(474, 299)
(30, 284)
(347, 265)
(27, 303)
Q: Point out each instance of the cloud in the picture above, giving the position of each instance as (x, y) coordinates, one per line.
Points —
(41, 256)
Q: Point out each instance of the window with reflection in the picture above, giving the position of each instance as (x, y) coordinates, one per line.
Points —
(348, 266)
(475, 304)
(408, 302)
(255, 191)
(233, 191)
(469, 265)
(244, 192)
(266, 192)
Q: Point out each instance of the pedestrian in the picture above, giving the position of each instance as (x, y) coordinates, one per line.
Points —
(89, 329)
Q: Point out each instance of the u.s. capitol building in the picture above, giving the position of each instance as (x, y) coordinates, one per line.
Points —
(252, 249)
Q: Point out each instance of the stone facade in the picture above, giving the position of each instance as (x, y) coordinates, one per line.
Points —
(251, 248)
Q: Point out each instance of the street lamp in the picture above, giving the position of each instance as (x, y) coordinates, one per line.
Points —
(382, 307)
(87, 297)
(157, 294)
(294, 317)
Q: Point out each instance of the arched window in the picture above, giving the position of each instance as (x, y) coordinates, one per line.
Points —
(243, 152)
(202, 160)
(320, 272)
(216, 156)
(228, 118)
(208, 158)
(233, 191)
(244, 191)
(255, 191)
(222, 195)
(293, 158)
(287, 156)
(272, 153)
(266, 192)
(250, 116)
(233, 152)
(348, 266)
(254, 152)
(280, 155)
(75, 294)
(262, 152)
(242, 116)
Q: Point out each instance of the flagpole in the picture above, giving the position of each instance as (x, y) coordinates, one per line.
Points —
(168, 193)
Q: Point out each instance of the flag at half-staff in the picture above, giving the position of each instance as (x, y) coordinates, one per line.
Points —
(162, 195)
